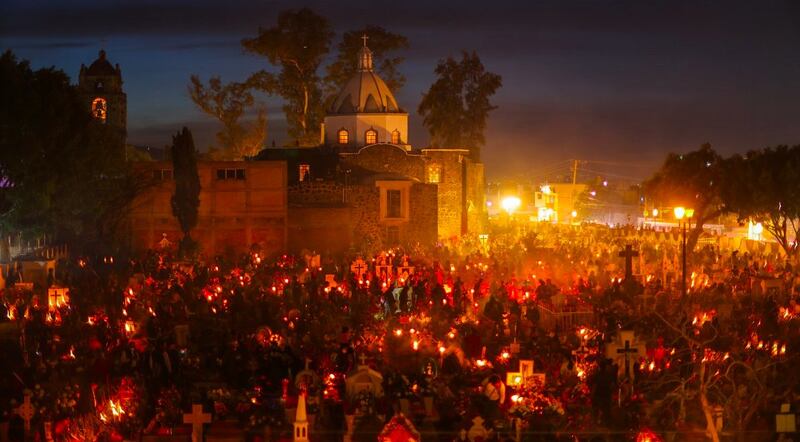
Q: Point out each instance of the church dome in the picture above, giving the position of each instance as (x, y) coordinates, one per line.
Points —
(365, 92)
(101, 66)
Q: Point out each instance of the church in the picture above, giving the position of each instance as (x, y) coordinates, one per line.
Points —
(364, 188)
(367, 186)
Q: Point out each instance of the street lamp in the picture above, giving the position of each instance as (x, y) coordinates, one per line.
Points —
(510, 204)
(680, 214)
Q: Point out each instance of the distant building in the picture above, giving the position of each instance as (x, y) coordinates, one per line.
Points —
(242, 204)
(100, 85)
(364, 186)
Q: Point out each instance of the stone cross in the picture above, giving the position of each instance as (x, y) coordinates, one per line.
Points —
(197, 418)
(26, 411)
(628, 254)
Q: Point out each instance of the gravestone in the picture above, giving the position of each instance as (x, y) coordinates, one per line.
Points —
(785, 421)
(399, 429)
(625, 350)
(366, 379)
(526, 368)
(477, 431)
(359, 268)
(26, 412)
(197, 418)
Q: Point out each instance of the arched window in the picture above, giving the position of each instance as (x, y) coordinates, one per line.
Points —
(344, 136)
(371, 137)
(99, 109)
(395, 136)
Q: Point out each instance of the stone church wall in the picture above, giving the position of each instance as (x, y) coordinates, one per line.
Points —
(424, 216)
(319, 220)
(477, 217)
(451, 189)
(386, 158)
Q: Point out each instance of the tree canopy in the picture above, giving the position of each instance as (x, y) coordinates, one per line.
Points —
(186, 199)
(229, 104)
(765, 187)
(297, 45)
(58, 171)
(456, 107)
(692, 180)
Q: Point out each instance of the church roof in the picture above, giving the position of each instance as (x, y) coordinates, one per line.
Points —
(101, 66)
(365, 92)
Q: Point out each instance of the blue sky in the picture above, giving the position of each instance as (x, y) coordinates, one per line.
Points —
(618, 80)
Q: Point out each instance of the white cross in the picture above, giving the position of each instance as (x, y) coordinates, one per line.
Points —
(197, 418)
(364, 37)
(26, 411)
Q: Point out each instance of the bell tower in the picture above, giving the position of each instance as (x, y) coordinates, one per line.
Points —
(101, 87)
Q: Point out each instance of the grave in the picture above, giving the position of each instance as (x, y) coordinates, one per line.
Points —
(625, 350)
(197, 418)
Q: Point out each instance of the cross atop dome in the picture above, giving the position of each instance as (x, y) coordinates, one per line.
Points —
(365, 56)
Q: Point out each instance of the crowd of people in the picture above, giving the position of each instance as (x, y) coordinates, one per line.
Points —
(137, 341)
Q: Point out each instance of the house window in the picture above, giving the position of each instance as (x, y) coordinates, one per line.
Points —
(344, 136)
(395, 136)
(393, 235)
(435, 173)
(393, 204)
(304, 171)
(162, 174)
(371, 137)
(230, 174)
(99, 109)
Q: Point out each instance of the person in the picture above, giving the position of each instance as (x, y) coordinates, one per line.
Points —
(494, 393)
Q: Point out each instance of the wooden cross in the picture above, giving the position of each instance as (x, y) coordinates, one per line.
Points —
(628, 254)
(197, 418)
(26, 411)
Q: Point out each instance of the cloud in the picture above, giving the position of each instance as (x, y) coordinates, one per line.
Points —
(50, 45)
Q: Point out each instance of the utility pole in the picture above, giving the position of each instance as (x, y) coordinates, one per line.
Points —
(574, 181)
(574, 174)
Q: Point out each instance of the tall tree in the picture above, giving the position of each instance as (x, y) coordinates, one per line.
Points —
(186, 199)
(58, 174)
(229, 104)
(765, 187)
(296, 45)
(382, 44)
(456, 107)
(693, 180)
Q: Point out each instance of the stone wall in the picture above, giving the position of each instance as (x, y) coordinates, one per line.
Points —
(424, 216)
(387, 158)
(477, 217)
(316, 193)
(451, 190)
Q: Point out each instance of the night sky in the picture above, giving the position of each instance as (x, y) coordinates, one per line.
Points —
(619, 81)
